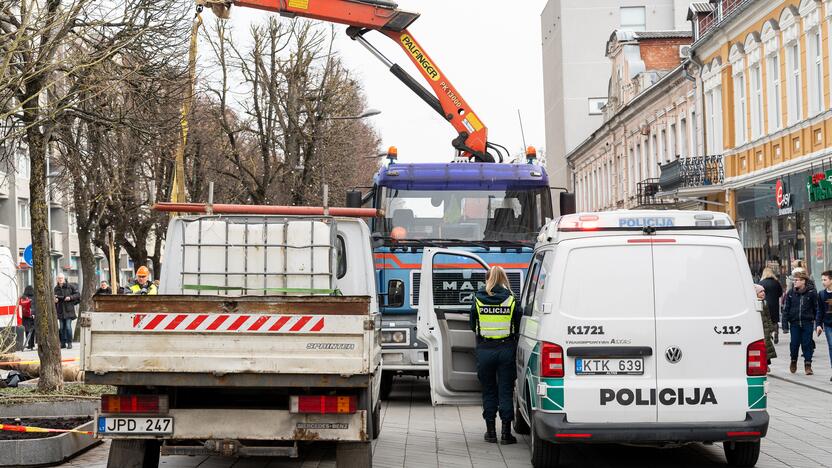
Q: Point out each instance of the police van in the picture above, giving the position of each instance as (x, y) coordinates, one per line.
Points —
(638, 327)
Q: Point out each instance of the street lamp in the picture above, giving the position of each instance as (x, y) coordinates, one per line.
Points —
(363, 115)
(367, 113)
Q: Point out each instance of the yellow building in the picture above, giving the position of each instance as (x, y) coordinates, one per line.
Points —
(765, 75)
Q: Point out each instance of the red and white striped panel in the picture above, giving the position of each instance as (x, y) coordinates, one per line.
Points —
(207, 323)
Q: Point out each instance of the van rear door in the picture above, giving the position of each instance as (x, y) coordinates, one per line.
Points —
(705, 319)
(605, 325)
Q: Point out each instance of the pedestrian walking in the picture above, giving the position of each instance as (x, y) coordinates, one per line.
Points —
(496, 324)
(66, 298)
(823, 319)
(27, 311)
(104, 288)
(768, 326)
(799, 312)
(773, 291)
(143, 286)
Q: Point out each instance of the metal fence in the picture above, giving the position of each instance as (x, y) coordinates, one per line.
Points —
(698, 171)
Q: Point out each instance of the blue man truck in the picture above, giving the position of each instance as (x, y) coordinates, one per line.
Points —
(491, 209)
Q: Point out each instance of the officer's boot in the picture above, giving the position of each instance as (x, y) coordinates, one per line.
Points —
(508, 438)
(491, 431)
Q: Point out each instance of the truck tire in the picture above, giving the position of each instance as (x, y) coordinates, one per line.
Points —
(376, 421)
(386, 385)
(544, 454)
(742, 453)
(134, 454)
(354, 455)
(519, 423)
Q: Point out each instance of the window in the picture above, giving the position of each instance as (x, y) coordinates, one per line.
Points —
(815, 65)
(775, 115)
(23, 213)
(672, 144)
(756, 102)
(683, 135)
(793, 94)
(532, 278)
(638, 160)
(23, 166)
(713, 104)
(73, 223)
(634, 18)
(631, 170)
(739, 109)
(694, 132)
(654, 154)
(663, 145)
(340, 257)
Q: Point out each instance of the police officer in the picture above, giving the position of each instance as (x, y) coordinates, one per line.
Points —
(495, 322)
(143, 285)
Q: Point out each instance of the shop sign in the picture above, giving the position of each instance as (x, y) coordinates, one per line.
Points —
(783, 199)
(820, 186)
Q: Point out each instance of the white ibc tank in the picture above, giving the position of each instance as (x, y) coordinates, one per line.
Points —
(257, 258)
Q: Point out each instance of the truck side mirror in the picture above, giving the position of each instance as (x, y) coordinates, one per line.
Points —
(567, 203)
(354, 199)
(395, 293)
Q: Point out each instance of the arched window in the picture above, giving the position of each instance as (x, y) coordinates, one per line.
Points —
(753, 53)
(712, 85)
(814, 55)
(737, 59)
(794, 83)
(770, 37)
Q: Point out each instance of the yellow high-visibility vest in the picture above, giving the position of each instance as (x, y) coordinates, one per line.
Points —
(494, 321)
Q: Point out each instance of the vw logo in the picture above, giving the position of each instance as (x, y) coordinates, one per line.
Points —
(673, 354)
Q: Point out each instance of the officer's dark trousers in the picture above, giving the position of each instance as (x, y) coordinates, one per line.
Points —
(496, 371)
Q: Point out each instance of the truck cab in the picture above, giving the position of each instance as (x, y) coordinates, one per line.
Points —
(493, 210)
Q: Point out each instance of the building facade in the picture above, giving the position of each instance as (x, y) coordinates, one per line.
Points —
(764, 81)
(575, 70)
(649, 120)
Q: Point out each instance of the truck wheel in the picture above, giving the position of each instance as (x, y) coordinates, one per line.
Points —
(386, 384)
(134, 454)
(354, 455)
(520, 425)
(742, 453)
(544, 454)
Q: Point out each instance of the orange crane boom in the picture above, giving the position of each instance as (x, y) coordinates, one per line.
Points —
(385, 17)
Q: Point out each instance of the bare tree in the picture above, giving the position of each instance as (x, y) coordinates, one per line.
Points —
(280, 138)
(48, 48)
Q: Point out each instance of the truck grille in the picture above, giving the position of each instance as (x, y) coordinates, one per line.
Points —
(451, 288)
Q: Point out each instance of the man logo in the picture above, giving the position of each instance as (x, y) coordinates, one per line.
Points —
(673, 354)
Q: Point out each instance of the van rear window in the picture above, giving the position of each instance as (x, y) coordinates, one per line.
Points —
(608, 281)
(699, 281)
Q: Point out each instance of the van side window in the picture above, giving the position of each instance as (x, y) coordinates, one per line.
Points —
(532, 278)
(340, 257)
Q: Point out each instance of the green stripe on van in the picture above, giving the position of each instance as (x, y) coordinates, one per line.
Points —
(756, 393)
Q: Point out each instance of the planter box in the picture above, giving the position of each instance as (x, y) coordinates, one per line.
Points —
(48, 450)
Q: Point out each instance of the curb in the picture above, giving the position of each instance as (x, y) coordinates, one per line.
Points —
(802, 384)
(49, 450)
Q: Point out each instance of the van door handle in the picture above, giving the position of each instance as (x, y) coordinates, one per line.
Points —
(608, 351)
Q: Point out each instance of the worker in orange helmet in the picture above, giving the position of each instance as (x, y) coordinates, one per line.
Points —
(143, 285)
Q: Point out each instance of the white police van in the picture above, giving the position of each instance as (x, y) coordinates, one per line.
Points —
(639, 327)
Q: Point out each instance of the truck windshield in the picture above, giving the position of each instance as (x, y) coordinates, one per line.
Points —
(465, 215)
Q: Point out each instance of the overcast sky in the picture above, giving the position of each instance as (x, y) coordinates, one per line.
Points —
(489, 49)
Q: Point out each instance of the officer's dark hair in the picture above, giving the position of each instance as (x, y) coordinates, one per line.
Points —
(827, 273)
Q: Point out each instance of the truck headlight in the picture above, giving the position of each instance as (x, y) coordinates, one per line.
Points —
(396, 337)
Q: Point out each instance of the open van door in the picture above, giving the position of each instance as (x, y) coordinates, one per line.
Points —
(449, 280)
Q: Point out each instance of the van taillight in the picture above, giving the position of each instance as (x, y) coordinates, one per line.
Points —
(551, 360)
(137, 404)
(322, 404)
(756, 361)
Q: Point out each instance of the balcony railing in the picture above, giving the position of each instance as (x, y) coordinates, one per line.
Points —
(646, 192)
(723, 11)
(698, 171)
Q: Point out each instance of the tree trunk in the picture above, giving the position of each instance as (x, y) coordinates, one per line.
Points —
(46, 324)
(87, 268)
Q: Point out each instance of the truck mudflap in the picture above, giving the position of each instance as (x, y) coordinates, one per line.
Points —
(242, 424)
